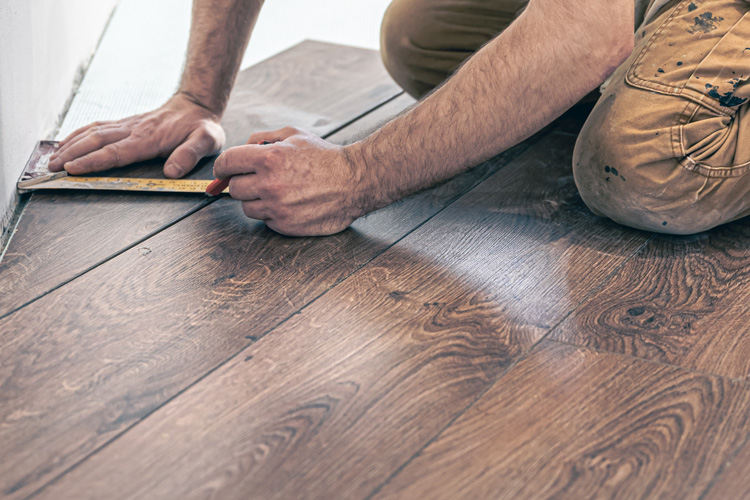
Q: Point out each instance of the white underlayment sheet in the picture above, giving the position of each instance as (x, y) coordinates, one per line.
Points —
(139, 60)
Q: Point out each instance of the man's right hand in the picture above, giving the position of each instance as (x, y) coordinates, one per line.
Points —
(181, 129)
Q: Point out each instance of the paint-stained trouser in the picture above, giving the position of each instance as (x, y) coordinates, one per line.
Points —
(667, 146)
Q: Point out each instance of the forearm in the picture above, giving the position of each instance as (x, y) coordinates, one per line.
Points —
(519, 82)
(219, 34)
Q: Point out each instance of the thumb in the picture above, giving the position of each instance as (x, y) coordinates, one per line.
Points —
(186, 156)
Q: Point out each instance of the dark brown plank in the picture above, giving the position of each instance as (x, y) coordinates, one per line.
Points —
(334, 400)
(82, 364)
(572, 423)
(62, 234)
(681, 301)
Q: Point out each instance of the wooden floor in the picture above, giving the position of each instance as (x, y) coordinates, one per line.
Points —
(489, 338)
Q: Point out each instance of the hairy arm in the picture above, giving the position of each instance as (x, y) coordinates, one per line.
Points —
(219, 34)
(186, 128)
(548, 59)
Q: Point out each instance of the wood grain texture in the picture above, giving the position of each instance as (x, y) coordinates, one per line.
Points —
(734, 481)
(63, 233)
(80, 365)
(335, 399)
(572, 423)
(682, 300)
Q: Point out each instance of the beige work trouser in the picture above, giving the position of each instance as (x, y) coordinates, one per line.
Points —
(666, 148)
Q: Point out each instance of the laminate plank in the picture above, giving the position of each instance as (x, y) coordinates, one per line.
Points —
(313, 85)
(87, 361)
(569, 422)
(682, 300)
(337, 397)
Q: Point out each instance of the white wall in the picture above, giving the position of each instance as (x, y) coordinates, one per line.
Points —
(284, 23)
(43, 43)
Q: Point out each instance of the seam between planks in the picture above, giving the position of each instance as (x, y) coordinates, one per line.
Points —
(93, 266)
(744, 382)
(362, 115)
(520, 149)
(502, 374)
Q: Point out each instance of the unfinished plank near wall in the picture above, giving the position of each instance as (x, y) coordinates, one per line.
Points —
(682, 300)
(62, 234)
(87, 361)
(137, 64)
(334, 400)
(572, 423)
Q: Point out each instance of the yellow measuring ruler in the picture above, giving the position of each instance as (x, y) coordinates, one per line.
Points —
(37, 176)
(118, 184)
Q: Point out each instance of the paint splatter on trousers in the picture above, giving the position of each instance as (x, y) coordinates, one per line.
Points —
(667, 146)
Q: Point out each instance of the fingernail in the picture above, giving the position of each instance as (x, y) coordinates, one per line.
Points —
(171, 170)
(68, 165)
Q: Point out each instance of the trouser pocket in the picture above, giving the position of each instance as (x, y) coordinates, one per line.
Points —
(700, 51)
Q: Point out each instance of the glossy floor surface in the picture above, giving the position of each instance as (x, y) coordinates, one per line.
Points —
(488, 338)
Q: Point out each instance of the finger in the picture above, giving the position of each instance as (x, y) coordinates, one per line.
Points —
(187, 155)
(256, 209)
(274, 135)
(94, 131)
(238, 160)
(113, 155)
(86, 144)
(83, 129)
(243, 187)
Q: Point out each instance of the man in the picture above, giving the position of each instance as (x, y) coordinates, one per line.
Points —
(661, 150)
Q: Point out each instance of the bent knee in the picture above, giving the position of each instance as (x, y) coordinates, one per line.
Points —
(628, 167)
(423, 41)
(654, 194)
(406, 49)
